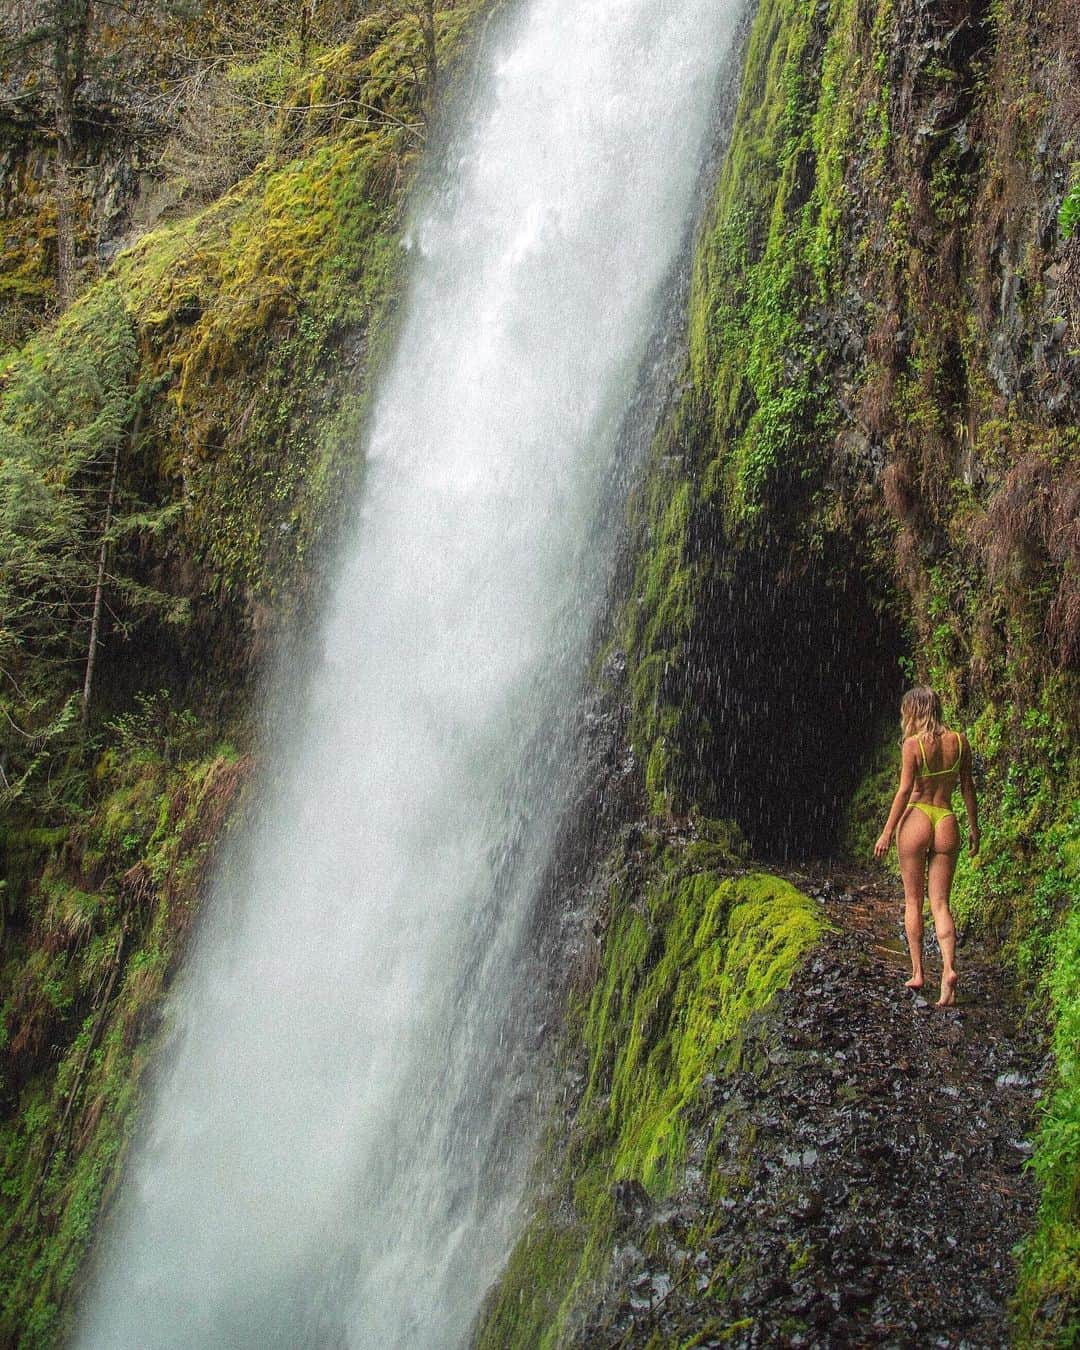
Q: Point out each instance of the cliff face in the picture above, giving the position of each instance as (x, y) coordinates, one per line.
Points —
(216, 371)
(871, 476)
(881, 371)
(869, 473)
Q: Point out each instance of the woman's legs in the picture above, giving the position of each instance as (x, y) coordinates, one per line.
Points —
(913, 838)
(939, 882)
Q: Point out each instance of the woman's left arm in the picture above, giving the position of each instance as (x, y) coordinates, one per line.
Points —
(967, 791)
(908, 760)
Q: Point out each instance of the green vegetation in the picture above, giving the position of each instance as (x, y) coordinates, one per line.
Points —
(1069, 212)
(1026, 886)
(742, 460)
(178, 444)
(86, 958)
(173, 450)
(769, 250)
(842, 384)
(211, 380)
(685, 961)
(720, 950)
(67, 404)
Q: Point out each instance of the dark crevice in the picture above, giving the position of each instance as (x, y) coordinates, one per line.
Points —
(794, 666)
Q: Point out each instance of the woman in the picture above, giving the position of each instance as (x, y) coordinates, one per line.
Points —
(933, 760)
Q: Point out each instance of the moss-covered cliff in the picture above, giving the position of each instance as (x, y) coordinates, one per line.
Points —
(216, 374)
(871, 475)
(686, 957)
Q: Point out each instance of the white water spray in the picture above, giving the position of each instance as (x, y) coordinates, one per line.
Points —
(327, 1161)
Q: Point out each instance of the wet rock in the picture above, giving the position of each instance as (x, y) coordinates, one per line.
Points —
(1018, 1080)
(856, 1088)
(632, 1202)
(662, 1284)
(808, 1208)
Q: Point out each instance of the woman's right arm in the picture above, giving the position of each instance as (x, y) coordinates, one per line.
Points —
(908, 759)
(967, 791)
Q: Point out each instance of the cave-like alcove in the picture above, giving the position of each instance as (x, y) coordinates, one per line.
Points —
(792, 669)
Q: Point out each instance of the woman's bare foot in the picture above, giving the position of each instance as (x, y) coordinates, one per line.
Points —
(949, 981)
(916, 982)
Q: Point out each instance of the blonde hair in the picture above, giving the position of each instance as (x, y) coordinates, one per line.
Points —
(920, 713)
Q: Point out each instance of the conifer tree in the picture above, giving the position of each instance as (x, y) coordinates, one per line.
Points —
(66, 418)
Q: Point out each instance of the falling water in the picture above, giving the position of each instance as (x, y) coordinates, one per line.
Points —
(329, 1158)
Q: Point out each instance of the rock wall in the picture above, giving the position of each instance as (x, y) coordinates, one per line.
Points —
(871, 476)
(686, 957)
(868, 473)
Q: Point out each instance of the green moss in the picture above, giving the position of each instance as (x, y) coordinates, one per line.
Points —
(1048, 1297)
(685, 963)
(1025, 886)
(245, 306)
(869, 806)
(715, 1330)
(771, 247)
(149, 840)
(1069, 211)
(540, 1269)
(658, 1018)
(745, 448)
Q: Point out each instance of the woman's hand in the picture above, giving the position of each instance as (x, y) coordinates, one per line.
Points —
(882, 845)
(973, 840)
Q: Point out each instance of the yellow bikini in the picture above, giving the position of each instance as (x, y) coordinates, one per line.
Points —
(936, 813)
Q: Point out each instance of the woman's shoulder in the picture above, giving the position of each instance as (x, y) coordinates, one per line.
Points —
(957, 737)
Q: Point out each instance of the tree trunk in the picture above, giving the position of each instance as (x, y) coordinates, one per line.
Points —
(65, 205)
(307, 18)
(99, 589)
(73, 21)
(431, 55)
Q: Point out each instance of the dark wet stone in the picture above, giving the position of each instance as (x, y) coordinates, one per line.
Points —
(1018, 1080)
(632, 1202)
(858, 1087)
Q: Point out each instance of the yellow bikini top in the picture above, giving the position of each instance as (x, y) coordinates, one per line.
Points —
(928, 772)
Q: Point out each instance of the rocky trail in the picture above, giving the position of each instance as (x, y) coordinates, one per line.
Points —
(866, 1165)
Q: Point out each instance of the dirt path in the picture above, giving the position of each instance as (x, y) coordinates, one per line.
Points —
(870, 1163)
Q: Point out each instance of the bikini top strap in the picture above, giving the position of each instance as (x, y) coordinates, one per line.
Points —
(928, 772)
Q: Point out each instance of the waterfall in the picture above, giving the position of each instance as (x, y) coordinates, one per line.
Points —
(329, 1157)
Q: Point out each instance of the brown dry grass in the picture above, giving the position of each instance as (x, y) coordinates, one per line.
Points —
(1069, 286)
(1067, 29)
(1032, 525)
(876, 396)
(899, 491)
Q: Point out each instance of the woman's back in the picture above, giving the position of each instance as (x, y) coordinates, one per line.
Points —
(938, 769)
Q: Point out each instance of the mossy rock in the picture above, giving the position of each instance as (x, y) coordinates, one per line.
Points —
(689, 959)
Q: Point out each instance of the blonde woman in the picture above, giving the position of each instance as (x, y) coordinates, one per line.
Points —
(933, 761)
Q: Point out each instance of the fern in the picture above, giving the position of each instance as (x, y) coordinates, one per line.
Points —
(1069, 212)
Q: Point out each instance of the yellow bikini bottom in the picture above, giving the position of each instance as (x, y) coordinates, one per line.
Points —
(935, 813)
